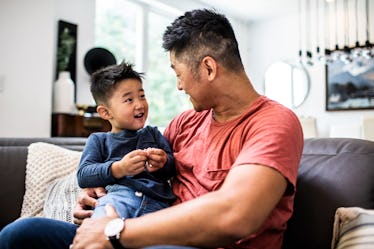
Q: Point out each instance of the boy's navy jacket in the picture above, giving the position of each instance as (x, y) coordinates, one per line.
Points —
(104, 148)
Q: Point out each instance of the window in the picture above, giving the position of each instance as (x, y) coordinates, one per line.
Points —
(115, 28)
(133, 31)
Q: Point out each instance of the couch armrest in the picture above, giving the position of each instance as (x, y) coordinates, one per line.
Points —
(334, 172)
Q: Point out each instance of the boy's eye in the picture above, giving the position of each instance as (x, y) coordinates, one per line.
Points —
(128, 100)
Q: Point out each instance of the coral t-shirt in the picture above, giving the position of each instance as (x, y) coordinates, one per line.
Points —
(267, 134)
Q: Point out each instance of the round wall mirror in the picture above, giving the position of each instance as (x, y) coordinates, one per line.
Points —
(287, 83)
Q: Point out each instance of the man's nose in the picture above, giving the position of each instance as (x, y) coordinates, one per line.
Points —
(179, 85)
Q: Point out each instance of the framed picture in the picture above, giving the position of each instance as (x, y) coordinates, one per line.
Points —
(66, 53)
(350, 86)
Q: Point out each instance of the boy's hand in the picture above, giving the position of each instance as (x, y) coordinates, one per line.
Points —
(131, 164)
(156, 159)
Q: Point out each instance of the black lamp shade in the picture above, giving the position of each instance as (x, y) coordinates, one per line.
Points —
(97, 58)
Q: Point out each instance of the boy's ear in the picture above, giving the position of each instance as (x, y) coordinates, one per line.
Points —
(103, 112)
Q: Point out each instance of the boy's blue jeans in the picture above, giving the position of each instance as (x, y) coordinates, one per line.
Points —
(127, 202)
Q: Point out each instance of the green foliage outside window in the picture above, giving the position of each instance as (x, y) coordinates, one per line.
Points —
(164, 98)
(116, 31)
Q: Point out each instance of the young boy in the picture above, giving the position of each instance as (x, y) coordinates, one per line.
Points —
(132, 162)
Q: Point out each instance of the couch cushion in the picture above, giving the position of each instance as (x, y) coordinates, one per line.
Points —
(353, 228)
(334, 172)
(61, 197)
(12, 182)
(13, 154)
(45, 163)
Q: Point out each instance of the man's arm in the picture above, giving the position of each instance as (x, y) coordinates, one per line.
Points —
(236, 210)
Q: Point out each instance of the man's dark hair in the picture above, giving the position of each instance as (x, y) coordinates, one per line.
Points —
(104, 81)
(201, 33)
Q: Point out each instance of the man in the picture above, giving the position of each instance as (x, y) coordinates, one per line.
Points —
(237, 155)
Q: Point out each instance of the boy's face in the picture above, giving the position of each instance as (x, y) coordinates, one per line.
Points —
(128, 106)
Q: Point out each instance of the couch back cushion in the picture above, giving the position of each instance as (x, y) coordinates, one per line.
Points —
(13, 156)
(334, 172)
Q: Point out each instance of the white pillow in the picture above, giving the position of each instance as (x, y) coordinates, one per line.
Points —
(45, 163)
(61, 198)
(353, 228)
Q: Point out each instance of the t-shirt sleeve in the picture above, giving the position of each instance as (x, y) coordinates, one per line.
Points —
(276, 141)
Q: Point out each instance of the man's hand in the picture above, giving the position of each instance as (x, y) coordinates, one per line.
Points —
(87, 200)
(91, 233)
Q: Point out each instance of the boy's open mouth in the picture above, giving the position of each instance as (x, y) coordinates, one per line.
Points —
(140, 115)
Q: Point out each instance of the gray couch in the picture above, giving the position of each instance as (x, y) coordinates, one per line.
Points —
(13, 155)
(333, 173)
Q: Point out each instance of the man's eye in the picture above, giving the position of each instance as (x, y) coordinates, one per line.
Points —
(128, 100)
(142, 96)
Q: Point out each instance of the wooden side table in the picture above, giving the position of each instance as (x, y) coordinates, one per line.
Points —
(73, 125)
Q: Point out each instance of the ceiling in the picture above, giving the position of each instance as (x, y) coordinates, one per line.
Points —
(254, 10)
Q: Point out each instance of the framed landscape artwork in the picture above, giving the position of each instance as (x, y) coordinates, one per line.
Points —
(350, 86)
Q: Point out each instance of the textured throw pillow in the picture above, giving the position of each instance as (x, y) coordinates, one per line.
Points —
(45, 163)
(353, 228)
(61, 198)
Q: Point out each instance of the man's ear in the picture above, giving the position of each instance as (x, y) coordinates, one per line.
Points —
(210, 65)
(103, 112)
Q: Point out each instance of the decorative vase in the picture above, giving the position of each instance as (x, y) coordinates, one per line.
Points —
(63, 94)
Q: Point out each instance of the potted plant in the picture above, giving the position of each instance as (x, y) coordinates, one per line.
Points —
(63, 90)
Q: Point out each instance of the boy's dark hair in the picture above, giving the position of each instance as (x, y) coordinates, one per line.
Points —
(200, 33)
(104, 81)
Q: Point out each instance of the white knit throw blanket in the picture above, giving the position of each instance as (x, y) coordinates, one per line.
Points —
(353, 228)
(45, 164)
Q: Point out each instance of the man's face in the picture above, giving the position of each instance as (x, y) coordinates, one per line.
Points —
(189, 82)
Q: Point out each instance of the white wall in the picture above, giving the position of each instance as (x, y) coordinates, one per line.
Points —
(81, 12)
(277, 39)
(27, 62)
(27, 47)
